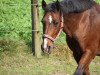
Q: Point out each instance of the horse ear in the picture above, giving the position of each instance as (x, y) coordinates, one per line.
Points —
(43, 4)
(57, 5)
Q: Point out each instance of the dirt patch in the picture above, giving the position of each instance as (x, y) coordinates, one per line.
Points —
(60, 73)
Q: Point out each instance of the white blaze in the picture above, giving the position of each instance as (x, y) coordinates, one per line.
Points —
(45, 43)
(50, 18)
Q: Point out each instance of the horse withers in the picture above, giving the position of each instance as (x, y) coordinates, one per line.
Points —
(80, 21)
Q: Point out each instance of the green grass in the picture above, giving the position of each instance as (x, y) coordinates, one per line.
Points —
(22, 62)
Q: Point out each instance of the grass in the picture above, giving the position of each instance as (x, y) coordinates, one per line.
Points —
(22, 62)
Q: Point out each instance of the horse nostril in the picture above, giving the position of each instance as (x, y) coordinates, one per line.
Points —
(49, 48)
(42, 47)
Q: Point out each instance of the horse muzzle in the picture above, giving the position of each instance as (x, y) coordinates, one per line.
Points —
(46, 46)
(46, 50)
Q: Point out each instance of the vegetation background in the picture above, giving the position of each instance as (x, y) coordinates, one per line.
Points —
(15, 44)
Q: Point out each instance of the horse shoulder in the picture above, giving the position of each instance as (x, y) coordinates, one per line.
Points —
(88, 31)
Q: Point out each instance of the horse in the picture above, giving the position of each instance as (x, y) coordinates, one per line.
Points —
(80, 21)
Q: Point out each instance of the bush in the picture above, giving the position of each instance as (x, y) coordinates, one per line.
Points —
(15, 19)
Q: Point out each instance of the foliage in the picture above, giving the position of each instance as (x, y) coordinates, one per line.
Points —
(98, 1)
(15, 19)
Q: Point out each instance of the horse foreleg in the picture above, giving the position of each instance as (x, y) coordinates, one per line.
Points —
(77, 58)
(86, 72)
(84, 62)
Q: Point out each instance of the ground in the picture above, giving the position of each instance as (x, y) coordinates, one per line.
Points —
(59, 62)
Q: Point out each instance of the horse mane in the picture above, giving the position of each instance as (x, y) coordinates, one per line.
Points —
(68, 6)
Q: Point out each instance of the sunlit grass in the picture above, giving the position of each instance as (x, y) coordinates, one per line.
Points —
(22, 62)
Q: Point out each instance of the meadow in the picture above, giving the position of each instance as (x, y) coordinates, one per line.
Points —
(16, 57)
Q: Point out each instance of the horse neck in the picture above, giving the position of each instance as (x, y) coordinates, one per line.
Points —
(73, 21)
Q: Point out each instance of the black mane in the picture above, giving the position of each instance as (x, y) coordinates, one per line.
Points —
(68, 6)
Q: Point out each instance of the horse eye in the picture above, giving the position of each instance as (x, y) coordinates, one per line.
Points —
(55, 22)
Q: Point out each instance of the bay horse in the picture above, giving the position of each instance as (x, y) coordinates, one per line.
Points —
(80, 21)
